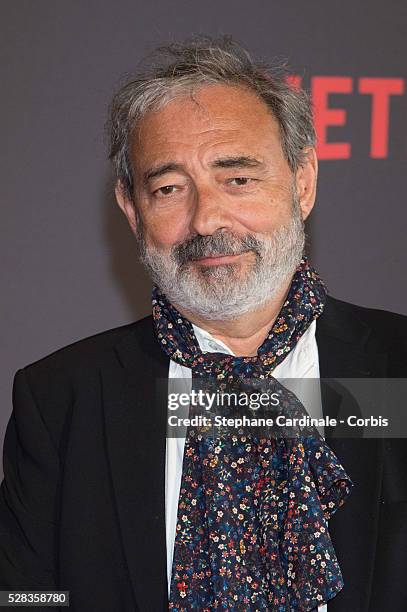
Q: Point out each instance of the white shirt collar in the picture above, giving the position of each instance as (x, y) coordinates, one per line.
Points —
(209, 344)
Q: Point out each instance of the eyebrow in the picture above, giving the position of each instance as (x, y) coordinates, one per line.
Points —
(238, 161)
(156, 171)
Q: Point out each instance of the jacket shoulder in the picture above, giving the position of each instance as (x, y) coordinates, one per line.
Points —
(387, 330)
(382, 322)
(91, 348)
(53, 377)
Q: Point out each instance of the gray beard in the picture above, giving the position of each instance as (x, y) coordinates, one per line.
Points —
(221, 292)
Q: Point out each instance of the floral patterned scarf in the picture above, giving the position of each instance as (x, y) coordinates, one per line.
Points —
(252, 531)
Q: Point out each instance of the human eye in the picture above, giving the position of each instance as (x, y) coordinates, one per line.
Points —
(240, 181)
(165, 190)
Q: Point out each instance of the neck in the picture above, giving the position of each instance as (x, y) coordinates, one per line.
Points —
(247, 332)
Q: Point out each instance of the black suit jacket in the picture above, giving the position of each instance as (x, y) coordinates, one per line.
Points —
(82, 502)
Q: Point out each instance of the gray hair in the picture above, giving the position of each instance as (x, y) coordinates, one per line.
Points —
(180, 68)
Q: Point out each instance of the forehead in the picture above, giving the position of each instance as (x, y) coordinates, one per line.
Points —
(211, 117)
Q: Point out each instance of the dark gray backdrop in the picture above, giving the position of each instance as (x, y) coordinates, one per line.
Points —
(68, 258)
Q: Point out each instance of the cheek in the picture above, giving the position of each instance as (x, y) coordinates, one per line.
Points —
(265, 215)
(163, 231)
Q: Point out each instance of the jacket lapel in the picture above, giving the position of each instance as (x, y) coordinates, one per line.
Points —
(346, 350)
(134, 399)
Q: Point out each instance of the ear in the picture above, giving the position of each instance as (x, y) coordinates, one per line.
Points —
(306, 181)
(127, 206)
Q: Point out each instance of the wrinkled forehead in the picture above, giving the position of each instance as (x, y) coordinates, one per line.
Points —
(211, 121)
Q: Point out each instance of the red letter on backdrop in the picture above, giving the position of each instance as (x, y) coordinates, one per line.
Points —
(380, 90)
(295, 80)
(325, 116)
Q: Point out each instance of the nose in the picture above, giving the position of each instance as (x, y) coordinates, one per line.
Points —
(210, 211)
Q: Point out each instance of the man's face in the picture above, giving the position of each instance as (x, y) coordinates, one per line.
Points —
(214, 197)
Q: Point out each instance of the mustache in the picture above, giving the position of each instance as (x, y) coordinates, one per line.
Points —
(198, 247)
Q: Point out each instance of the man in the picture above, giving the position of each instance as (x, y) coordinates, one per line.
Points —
(216, 174)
